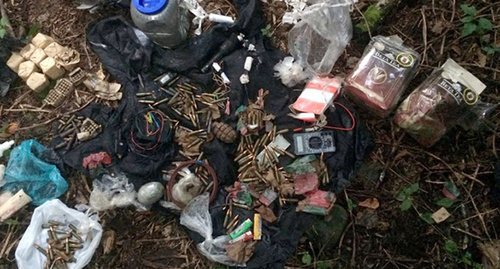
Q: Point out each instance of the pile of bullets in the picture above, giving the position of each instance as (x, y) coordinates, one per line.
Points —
(250, 169)
(62, 244)
(184, 100)
(75, 129)
(190, 141)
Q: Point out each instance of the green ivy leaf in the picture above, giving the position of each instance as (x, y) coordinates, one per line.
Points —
(406, 204)
(324, 265)
(491, 49)
(372, 16)
(468, 29)
(3, 22)
(307, 259)
(412, 189)
(467, 19)
(427, 216)
(445, 202)
(351, 205)
(468, 10)
(401, 196)
(33, 30)
(476, 265)
(484, 24)
(467, 258)
(11, 222)
(450, 247)
(2, 33)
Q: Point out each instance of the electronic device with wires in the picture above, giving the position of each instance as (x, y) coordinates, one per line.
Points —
(314, 142)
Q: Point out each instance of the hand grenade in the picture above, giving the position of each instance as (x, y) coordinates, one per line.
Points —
(224, 132)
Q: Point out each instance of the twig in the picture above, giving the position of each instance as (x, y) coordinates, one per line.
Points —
(27, 110)
(166, 239)
(366, 21)
(391, 260)
(467, 233)
(424, 35)
(82, 107)
(20, 98)
(477, 211)
(10, 231)
(453, 170)
(353, 257)
(38, 125)
(475, 216)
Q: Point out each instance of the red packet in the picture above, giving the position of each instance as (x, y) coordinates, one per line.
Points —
(318, 95)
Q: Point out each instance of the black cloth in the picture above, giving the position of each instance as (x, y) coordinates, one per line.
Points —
(7, 77)
(126, 57)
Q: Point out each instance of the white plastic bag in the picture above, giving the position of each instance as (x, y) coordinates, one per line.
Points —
(113, 191)
(321, 35)
(28, 257)
(196, 217)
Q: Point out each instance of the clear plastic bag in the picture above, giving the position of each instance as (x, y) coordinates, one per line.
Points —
(113, 191)
(322, 34)
(438, 104)
(196, 217)
(28, 170)
(28, 257)
(382, 74)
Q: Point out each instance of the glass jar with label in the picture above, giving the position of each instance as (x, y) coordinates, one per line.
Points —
(438, 103)
(383, 72)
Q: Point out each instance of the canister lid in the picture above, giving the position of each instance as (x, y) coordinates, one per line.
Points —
(149, 6)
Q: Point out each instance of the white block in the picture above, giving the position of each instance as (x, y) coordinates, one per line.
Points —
(37, 82)
(27, 51)
(38, 56)
(14, 61)
(42, 41)
(53, 49)
(26, 69)
(50, 68)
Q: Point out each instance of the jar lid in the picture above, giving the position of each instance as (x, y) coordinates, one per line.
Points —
(149, 6)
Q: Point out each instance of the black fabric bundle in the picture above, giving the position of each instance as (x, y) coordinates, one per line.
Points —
(126, 54)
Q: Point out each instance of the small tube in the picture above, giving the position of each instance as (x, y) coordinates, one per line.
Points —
(11, 206)
(220, 18)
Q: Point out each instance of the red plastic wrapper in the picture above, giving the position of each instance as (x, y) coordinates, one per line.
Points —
(306, 183)
(382, 74)
(438, 103)
(95, 160)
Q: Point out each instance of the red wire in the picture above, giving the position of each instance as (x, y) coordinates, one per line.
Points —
(157, 140)
(353, 120)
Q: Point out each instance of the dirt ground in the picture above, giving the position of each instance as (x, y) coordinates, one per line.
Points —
(385, 238)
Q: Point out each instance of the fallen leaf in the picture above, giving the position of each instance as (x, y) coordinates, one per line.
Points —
(456, 49)
(367, 218)
(441, 215)
(10, 130)
(438, 27)
(371, 203)
(108, 241)
(481, 59)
